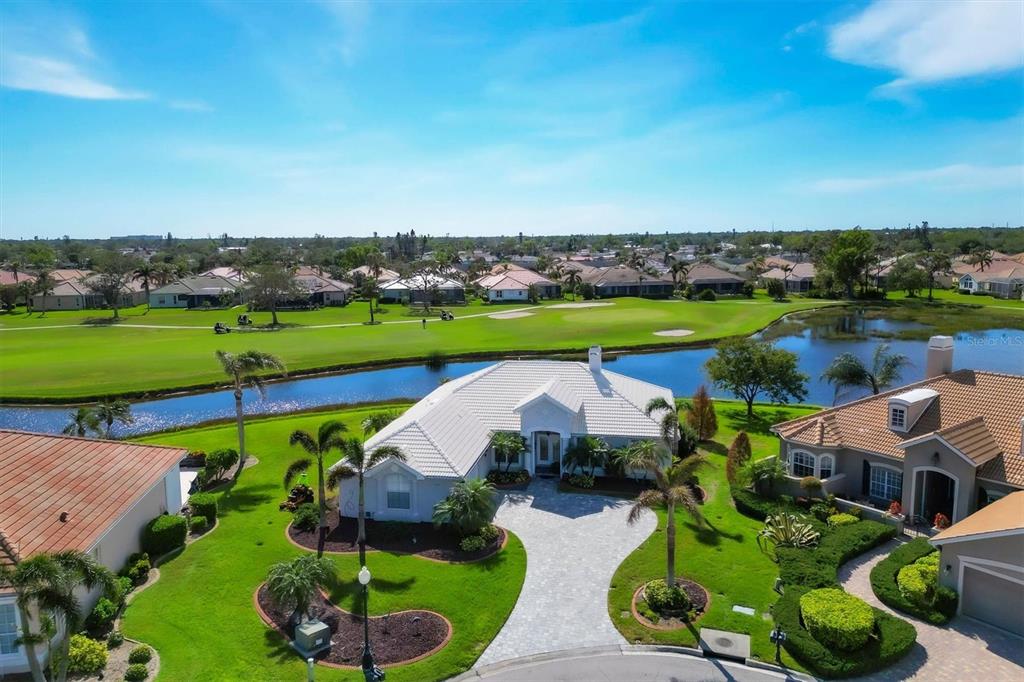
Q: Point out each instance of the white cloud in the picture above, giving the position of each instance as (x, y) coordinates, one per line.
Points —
(56, 77)
(930, 42)
(953, 177)
(351, 17)
(196, 105)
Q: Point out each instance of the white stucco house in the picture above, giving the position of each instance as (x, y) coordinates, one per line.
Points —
(447, 435)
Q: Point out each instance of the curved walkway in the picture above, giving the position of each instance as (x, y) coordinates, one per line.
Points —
(962, 650)
(574, 543)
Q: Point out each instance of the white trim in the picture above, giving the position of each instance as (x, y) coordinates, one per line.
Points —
(886, 466)
(898, 470)
(979, 565)
(992, 480)
(791, 461)
(913, 490)
(375, 471)
(984, 535)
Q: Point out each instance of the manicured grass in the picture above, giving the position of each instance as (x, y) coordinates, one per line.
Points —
(951, 296)
(723, 557)
(200, 615)
(84, 361)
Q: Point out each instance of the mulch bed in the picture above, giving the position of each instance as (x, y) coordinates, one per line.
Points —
(625, 487)
(422, 539)
(699, 598)
(395, 638)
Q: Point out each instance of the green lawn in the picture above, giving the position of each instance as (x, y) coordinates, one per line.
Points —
(950, 296)
(200, 615)
(85, 360)
(723, 557)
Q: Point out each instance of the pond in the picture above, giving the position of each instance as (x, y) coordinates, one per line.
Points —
(998, 350)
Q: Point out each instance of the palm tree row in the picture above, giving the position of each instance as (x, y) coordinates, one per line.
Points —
(100, 419)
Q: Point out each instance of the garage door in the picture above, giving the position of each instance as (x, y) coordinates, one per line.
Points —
(994, 600)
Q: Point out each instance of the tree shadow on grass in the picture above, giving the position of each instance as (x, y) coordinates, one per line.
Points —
(279, 649)
(247, 498)
(709, 534)
(100, 321)
(714, 447)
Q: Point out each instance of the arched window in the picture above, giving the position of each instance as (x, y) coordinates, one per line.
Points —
(399, 492)
(826, 465)
(802, 464)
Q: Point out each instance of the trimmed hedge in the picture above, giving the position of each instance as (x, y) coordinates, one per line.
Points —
(164, 534)
(86, 656)
(760, 507)
(204, 504)
(837, 520)
(140, 654)
(101, 620)
(198, 525)
(893, 639)
(136, 672)
(816, 567)
(836, 618)
(885, 587)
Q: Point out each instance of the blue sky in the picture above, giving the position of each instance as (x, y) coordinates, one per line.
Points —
(494, 118)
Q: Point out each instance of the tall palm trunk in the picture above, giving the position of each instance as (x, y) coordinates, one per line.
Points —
(323, 506)
(30, 648)
(670, 536)
(240, 421)
(361, 535)
(371, 311)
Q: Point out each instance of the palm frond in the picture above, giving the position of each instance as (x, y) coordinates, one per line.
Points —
(302, 438)
(648, 500)
(385, 452)
(338, 473)
(294, 469)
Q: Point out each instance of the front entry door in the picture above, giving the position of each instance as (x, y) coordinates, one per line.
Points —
(548, 449)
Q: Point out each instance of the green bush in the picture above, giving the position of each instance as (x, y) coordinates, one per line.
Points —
(885, 585)
(198, 525)
(164, 534)
(817, 567)
(306, 517)
(821, 510)
(581, 481)
(219, 461)
(86, 656)
(837, 520)
(115, 639)
(489, 533)
(918, 581)
(136, 672)
(123, 585)
(101, 619)
(204, 504)
(837, 619)
(893, 639)
(664, 599)
(508, 477)
(473, 543)
(137, 568)
(707, 295)
(140, 654)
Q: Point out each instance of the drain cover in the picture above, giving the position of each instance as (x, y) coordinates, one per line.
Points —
(725, 644)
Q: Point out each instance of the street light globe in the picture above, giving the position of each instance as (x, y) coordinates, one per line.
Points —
(364, 576)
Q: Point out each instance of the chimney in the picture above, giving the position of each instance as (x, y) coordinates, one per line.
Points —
(939, 360)
(595, 359)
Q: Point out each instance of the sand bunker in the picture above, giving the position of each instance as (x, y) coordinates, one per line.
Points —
(580, 305)
(509, 316)
(674, 332)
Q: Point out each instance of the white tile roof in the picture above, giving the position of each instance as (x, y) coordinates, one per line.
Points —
(445, 433)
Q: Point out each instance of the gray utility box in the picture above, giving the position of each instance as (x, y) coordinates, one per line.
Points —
(312, 637)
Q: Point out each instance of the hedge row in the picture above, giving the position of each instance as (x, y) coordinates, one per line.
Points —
(164, 534)
(894, 637)
(817, 567)
(883, 584)
(759, 507)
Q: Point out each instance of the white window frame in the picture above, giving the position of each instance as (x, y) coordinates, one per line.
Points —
(793, 463)
(901, 411)
(404, 487)
(888, 471)
(15, 648)
(831, 466)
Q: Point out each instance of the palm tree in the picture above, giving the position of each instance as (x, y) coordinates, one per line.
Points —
(573, 279)
(670, 414)
(328, 437)
(110, 411)
(48, 583)
(43, 286)
(847, 371)
(83, 420)
(378, 420)
(355, 462)
(370, 291)
(242, 369)
(506, 445)
(787, 270)
(374, 263)
(145, 273)
(672, 490)
(982, 258)
(679, 271)
(15, 266)
(643, 455)
(757, 266)
(468, 507)
(293, 584)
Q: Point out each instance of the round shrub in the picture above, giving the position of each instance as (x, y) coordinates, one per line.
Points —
(115, 639)
(836, 618)
(122, 586)
(918, 581)
(198, 525)
(306, 517)
(164, 534)
(101, 619)
(136, 672)
(473, 543)
(140, 654)
(707, 295)
(664, 599)
(137, 568)
(581, 481)
(837, 520)
(219, 461)
(489, 533)
(86, 656)
(204, 504)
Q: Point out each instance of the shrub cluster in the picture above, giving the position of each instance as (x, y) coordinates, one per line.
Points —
(86, 656)
(137, 568)
(484, 537)
(664, 599)
(136, 672)
(836, 618)
(581, 481)
(885, 584)
(707, 295)
(837, 520)
(306, 517)
(198, 525)
(204, 504)
(508, 477)
(817, 567)
(140, 654)
(164, 534)
(219, 461)
(115, 639)
(100, 620)
(919, 580)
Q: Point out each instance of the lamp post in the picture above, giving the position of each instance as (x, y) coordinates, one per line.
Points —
(371, 673)
(777, 637)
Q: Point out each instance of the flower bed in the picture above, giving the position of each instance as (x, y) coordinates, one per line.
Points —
(400, 637)
(884, 585)
(421, 539)
(697, 600)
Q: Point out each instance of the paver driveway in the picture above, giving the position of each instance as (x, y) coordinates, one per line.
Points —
(573, 543)
(962, 650)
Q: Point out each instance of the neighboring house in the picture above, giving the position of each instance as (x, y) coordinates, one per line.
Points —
(357, 275)
(413, 289)
(798, 281)
(9, 277)
(982, 558)
(229, 273)
(70, 275)
(509, 282)
(949, 444)
(1003, 279)
(60, 493)
(704, 276)
(447, 435)
(196, 292)
(620, 280)
(74, 294)
(322, 289)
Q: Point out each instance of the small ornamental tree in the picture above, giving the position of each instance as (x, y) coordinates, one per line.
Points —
(739, 455)
(701, 415)
(748, 368)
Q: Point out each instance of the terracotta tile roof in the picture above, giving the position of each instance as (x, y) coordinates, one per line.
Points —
(1002, 516)
(704, 273)
(981, 411)
(9, 277)
(800, 271)
(94, 481)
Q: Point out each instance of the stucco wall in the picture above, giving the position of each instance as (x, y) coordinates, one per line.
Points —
(1004, 550)
(935, 455)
